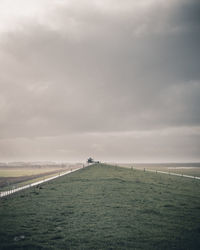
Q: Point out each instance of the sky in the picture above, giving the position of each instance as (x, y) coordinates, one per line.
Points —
(112, 79)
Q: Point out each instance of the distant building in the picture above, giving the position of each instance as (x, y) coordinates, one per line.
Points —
(90, 160)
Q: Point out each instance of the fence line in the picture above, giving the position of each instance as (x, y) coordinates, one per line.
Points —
(170, 173)
(11, 191)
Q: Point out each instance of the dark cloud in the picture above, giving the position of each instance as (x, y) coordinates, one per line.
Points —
(100, 69)
(188, 14)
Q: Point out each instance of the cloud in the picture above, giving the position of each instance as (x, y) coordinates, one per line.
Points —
(139, 146)
(101, 67)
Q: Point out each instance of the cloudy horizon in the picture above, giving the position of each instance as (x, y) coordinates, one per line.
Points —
(111, 79)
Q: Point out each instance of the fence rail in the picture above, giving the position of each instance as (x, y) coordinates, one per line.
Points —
(11, 191)
(169, 173)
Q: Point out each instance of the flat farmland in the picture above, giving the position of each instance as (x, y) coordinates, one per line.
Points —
(17, 172)
(104, 207)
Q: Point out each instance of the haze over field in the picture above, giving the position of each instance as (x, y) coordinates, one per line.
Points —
(112, 79)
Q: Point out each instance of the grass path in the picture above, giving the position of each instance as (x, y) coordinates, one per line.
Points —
(104, 207)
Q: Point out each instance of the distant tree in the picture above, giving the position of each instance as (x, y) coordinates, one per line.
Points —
(90, 160)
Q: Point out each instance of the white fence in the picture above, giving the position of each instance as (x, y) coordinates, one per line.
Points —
(170, 173)
(11, 191)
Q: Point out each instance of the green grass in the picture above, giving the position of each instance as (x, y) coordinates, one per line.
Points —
(104, 207)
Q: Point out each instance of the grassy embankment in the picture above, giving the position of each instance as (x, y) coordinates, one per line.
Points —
(104, 207)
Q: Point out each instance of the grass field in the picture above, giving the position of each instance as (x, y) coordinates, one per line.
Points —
(104, 207)
(24, 172)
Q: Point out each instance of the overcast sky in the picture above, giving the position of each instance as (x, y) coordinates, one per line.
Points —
(118, 80)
